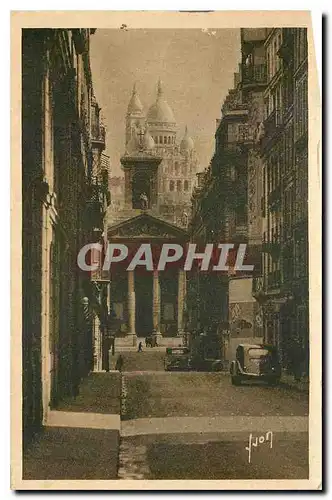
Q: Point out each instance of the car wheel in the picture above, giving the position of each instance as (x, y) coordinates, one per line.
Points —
(236, 380)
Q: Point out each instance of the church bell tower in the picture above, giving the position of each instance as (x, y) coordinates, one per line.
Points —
(140, 164)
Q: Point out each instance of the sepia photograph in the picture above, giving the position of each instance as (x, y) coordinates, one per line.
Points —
(166, 175)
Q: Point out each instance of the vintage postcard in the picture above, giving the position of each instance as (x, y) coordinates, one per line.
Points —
(166, 281)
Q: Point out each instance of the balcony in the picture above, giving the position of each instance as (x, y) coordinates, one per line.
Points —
(98, 134)
(254, 74)
(241, 231)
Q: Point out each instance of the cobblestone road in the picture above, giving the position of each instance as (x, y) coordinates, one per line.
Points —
(197, 426)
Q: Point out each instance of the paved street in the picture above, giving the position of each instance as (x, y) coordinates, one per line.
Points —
(197, 425)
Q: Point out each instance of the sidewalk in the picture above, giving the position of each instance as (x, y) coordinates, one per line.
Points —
(298, 385)
(82, 436)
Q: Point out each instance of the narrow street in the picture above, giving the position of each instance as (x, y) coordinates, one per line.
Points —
(197, 425)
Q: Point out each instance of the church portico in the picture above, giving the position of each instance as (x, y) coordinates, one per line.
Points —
(150, 306)
(144, 302)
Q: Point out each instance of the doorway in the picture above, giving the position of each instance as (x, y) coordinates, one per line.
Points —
(143, 295)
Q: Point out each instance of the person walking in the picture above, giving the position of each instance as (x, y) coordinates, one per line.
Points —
(140, 347)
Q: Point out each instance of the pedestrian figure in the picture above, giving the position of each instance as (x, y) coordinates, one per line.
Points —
(144, 201)
(140, 347)
(119, 363)
(148, 341)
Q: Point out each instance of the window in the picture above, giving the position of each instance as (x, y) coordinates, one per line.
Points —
(165, 139)
(232, 132)
(160, 139)
(186, 185)
(176, 168)
(169, 140)
(171, 185)
(179, 186)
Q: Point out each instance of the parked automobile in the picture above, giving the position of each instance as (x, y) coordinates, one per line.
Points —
(177, 358)
(255, 362)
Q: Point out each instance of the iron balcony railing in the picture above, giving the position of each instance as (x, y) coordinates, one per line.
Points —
(253, 74)
(98, 134)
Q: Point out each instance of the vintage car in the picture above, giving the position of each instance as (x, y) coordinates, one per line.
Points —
(255, 362)
(177, 358)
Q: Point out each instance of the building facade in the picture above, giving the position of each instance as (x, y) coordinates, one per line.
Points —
(255, 190)
(63, 202)
(117, 190)
(283, 288)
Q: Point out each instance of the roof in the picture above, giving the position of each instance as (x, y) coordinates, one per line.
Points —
(160, 112)
(135, 106)
(146, 226)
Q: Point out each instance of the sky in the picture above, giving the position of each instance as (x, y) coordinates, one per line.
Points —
(196, 69)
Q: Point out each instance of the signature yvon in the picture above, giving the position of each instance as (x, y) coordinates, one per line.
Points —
(267, 438)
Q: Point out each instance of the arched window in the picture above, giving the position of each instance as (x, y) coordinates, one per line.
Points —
(165, 139)
(179, 186)
(169, 140)
(186, 185)
(176, 168)
(171, 185)
(160, 139)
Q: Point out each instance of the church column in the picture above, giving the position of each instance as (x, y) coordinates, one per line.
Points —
(131, 306)
(156, 303)
(181, 299)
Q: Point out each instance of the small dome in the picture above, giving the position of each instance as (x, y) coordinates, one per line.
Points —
(187, 144)
(135, 106)
(160, 111)
(141, 141)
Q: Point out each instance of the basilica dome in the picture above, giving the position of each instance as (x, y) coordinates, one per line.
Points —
(160, 112)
